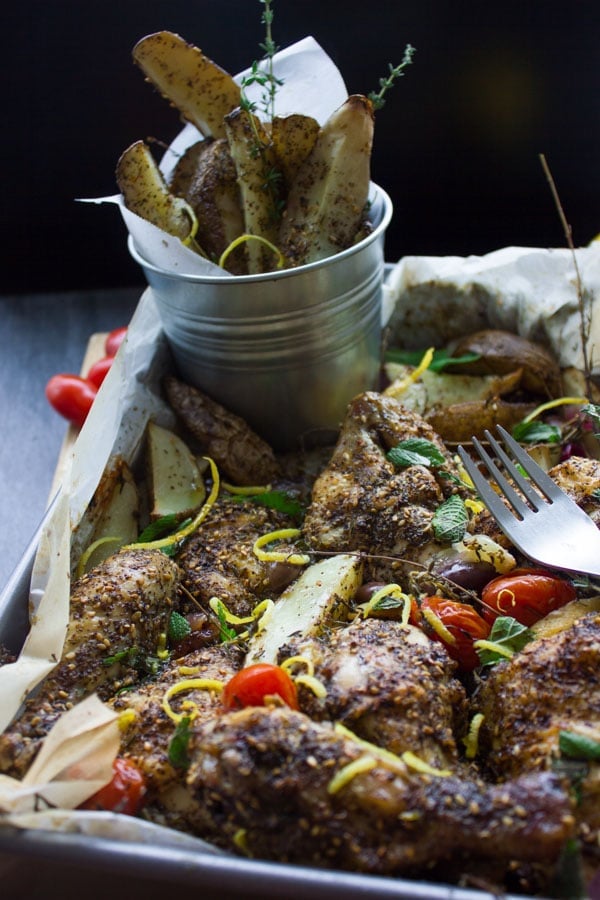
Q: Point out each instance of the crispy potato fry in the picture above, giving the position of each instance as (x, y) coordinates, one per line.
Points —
(254, 160)
(145, 192)
(202, 91)
(293, 137)
(327, 198)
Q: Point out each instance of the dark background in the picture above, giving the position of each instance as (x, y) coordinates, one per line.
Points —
(457, 145)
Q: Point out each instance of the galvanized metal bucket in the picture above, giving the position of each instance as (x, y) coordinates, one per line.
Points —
(287, 350)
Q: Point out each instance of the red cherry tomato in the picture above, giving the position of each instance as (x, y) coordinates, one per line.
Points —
(250, 687)
(71, 396)
(114, 340)
(124, 794)
(525, 594)
(99, 370)
(464, 624)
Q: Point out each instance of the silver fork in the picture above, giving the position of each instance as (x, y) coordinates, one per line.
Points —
(545, 525)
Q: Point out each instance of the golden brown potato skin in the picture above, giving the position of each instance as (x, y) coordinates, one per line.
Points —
(502, 351)
(458, 423)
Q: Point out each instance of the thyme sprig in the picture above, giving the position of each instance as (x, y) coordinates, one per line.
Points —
(395, 72)
(262, 73)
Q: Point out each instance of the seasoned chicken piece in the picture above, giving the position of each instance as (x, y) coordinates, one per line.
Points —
(148, 730)
(238, 451)
(391, 685)
(362, 501)
(551, 686)
(219, 561)
(263, 779)
(118, 611)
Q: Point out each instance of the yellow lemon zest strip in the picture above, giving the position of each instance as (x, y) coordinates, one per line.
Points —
(551, 404)
(188, 684)
(347, 773)
(173, 539)
(394, 762)
(126, 718)
(85, 556)
(292, 661)
(251, 237)
(419, 765)
(245, 490)
(217, 605)
(495, 648)
(295, 559)
(389, 590)
(438, 626)
(471, 741)
(313, 684)
(240, 839)
(474, 506)
(262, 613)
(400, 386)
(161, 649)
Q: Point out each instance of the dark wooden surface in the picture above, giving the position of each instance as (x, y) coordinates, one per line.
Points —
(40, 335)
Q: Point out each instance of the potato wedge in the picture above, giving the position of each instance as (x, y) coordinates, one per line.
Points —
(293, 139)
(112, 518)
(174, 475)
(327, 198)
(200, 89)
(443, 389)
(458, 422)
(145, 193)
(311, 604)
(502, 351)
(254, 161)
(209, 184)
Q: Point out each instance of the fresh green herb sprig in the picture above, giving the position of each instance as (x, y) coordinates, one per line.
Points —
(507, 633)
(395, 72)
(179, 744)
(441, 358)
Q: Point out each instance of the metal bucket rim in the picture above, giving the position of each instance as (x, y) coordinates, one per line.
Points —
(379, 229)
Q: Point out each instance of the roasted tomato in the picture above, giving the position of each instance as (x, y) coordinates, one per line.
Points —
(525, 594)
(71, 396)
(124, 794)
(114, 340)
(461, 627)
(252, 685)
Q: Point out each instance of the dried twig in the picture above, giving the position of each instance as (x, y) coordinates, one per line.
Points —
(584, 313)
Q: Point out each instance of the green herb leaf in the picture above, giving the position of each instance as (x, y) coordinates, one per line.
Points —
(377, 98)
(578, 746)
(416, 452)
(592, 410)
(143, 663)
(508, 633)
(178, 628)
(278, 500)
(569, 881)
(160, 528)
(226, 633)
(179, 744)
(536, 433)
(441, 358)
(450, 520)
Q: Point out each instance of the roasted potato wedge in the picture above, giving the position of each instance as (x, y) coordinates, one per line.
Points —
(327, 198)
(200, 89)
(174, 475)
(293, 138)
(207, 179)
(254, 160)
(145, 193)
(502, 351)
(311, 604)
(433, 389)
(458, 422)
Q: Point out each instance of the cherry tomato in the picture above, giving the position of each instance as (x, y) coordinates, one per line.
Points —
(71, 396)
(525, 594)
(464, 624)
(250, 687)
(99, 370)
(114, 340)
(124, 794)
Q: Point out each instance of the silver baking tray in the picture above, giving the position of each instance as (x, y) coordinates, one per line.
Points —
(214, 875)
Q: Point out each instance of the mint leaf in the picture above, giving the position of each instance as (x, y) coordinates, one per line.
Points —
(578, 746)
(179, 744)
(536, 433)
(507, 633)
(450, 520)
(278, 500)
(441, 358)
(416, 452)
